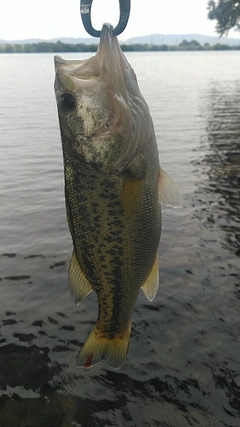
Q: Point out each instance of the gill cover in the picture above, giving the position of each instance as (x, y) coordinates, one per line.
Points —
(109, 119)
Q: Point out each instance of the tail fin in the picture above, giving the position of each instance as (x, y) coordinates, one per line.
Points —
(100, 346)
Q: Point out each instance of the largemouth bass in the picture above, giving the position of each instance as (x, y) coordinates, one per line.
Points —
(113, 189)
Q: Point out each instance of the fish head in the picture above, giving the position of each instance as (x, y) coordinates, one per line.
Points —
(103, 116)
(83, 108)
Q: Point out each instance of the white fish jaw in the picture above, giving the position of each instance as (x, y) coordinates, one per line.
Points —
(109, 105)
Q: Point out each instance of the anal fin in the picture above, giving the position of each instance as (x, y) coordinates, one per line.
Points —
(79, 286)
(151, 285)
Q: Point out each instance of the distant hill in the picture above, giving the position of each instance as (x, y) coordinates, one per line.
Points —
(71, 40)
(155, 39)
(176, 39)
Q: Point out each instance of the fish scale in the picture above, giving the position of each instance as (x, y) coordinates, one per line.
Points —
(113, 186)
(95, 199)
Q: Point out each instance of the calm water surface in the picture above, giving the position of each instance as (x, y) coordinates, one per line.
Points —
(183, 365)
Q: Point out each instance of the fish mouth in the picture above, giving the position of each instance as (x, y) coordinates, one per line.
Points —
(109, 104)
(107, 36)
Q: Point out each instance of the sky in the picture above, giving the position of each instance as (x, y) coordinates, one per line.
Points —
(46, 19)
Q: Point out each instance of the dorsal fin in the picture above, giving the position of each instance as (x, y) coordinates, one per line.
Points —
(79, 286)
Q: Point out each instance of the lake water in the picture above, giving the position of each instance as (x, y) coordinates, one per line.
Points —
(183, 365)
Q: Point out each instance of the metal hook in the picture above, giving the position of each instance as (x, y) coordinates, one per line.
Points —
(85, 10)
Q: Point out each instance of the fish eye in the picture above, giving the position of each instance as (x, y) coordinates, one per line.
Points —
(67, 101)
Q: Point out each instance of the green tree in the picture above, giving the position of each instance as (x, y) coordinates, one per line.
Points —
(192, 45)
(226, 13)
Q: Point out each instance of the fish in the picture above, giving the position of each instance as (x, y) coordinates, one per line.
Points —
(113, 189)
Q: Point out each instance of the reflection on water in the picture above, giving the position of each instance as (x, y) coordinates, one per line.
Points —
(223, 158)
(183, 365)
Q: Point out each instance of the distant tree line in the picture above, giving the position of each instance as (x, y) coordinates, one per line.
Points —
(184, 45)
(44, 47)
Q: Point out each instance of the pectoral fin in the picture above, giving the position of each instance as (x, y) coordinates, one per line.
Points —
(150, 287)
(168, 192)
(79, 286)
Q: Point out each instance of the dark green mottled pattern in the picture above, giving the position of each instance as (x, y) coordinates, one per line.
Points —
(115, 250)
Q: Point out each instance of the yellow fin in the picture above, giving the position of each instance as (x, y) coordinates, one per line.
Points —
(150, 287)
(79, 286)
(101, 346)
(168, 192)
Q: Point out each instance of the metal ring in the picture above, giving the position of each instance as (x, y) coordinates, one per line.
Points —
(85, 10)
